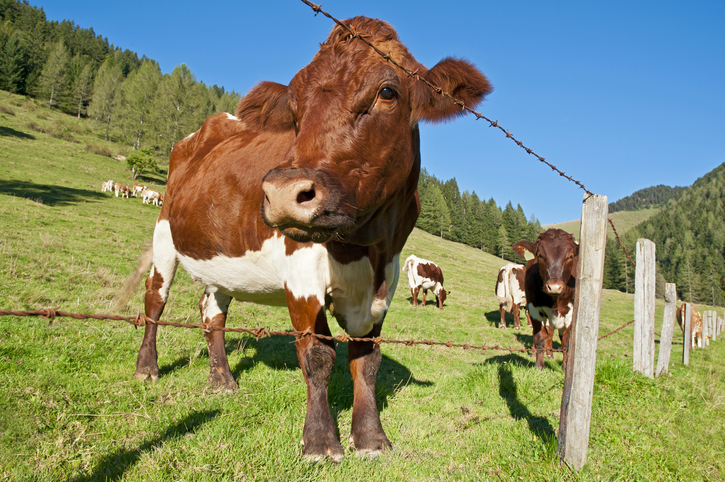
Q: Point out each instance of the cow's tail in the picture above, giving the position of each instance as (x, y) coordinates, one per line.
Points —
(130, 284)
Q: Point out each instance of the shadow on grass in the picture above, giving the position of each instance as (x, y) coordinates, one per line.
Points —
(539, 426)
(429, 301)
(47, 194)
(494, 319)
(114, 465)
(8, 132)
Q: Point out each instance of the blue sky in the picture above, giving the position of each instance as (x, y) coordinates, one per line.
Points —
(620, 95)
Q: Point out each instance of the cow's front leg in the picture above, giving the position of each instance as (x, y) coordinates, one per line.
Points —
(214, 307)
(316, 358)
(540, 336)
(367, 432)
(564, 336)
(515, 311)
(425, 293)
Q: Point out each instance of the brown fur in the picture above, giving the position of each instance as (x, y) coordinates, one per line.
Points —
(695, 324)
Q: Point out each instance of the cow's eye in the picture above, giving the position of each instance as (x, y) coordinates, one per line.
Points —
(386, 93)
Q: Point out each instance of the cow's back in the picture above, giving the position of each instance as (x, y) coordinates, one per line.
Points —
(214, 191)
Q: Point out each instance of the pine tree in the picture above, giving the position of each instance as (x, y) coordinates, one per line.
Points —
(106, 93)
(82, 87)
(140, 89)
(52, 83)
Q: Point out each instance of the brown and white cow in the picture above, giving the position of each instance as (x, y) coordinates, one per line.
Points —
(122, 189)
(107, 186)
(425, 275)
(550, 285)
(305, 199)
(136, 189)
(149, 196)
(695, 324)
(510, 293)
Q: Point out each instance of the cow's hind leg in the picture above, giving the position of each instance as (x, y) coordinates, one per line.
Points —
(213, 307)
(157, 292)
(367, 432)
(502, 310)
(515, 312)
(316, 357)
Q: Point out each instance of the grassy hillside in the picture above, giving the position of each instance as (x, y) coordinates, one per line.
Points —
(623, 221)
(70, 410)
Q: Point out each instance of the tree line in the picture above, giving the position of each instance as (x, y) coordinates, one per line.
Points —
(690, 236)
(465, 218)
(80, 73)
(646, 198)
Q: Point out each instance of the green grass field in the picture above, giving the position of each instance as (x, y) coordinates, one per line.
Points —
(70, 409)
(623, 221)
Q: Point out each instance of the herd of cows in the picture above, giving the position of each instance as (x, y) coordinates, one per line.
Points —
(149, 196)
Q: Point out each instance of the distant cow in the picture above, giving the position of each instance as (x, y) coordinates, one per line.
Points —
(305, 199)
(549, 286)
(510, 293)
(136, 189)
(149, 196)
(121, 189)
(107, 186)
(695, 324)
(425, 275)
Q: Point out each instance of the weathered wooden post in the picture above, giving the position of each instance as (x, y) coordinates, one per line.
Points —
(668, 324)
(576, 401)
(713, 324)
(644, 308)
(706, 330)
(686, 336)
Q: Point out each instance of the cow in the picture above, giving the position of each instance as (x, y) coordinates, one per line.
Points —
(107, 186)
(305, 199)
(510, 293)
(137, 188)
(425, 275)
(695, 324)
(122, 189)
(550, 283)
(149, 196)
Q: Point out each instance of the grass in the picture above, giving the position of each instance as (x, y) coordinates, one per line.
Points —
(70, 410)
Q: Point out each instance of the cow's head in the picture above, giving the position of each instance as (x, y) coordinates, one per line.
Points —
(555, 253)
(355, 117)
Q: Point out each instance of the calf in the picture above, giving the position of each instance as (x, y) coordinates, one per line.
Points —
(695, 324)
(305, 199)
(425, 275)
(510, 293)
(549, 284)
(122, 189)
(107, 186)
(137, 188)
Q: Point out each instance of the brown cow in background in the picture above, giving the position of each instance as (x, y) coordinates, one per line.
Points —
(510, 293)
(550, 285)
(695, 324)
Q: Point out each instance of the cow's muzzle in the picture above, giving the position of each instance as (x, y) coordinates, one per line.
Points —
(305, 204)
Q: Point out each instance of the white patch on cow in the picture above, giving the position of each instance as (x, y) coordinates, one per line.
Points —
(544, 314)
(260, 276)
(214, 303)
(353, 299)
(190, 135)
(165, 261)
(231, 117)
(414, 279)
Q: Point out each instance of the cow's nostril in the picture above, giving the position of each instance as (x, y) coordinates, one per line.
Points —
(305, 196)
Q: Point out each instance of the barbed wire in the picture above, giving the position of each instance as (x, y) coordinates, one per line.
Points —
(140, 320)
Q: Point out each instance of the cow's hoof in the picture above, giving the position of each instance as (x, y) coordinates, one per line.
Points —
(334, 454)
(144, 374)
(222, 383)
(371, 447)
(502, 327)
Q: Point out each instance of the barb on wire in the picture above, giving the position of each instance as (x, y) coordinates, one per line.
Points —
(615, 331)
(414, 74)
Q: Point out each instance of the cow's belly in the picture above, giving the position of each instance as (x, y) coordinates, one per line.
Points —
(261, 276)
(547, 315)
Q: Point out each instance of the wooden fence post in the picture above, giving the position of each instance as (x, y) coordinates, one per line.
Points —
(686, 335)
(576, 400)
(644, 308)
(706, 330)
(668, 323)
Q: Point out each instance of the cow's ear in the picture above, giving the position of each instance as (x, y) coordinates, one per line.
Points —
(266, 107)
(525, 249)
(456, 77)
